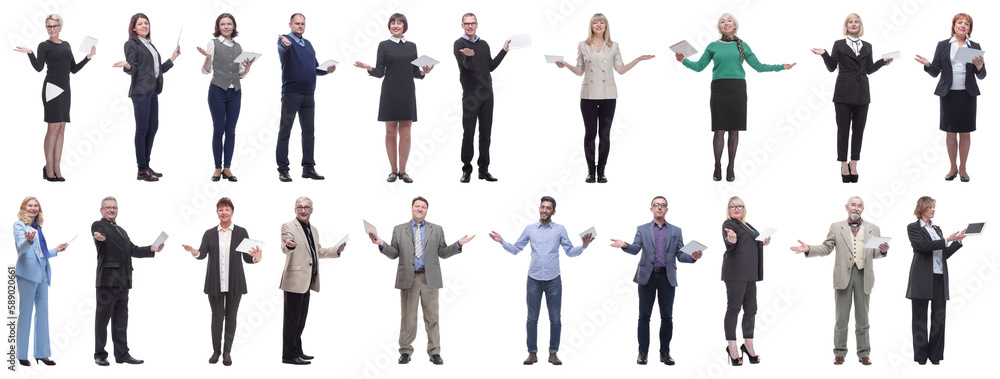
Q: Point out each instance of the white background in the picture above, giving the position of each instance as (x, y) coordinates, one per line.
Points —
(787, 175)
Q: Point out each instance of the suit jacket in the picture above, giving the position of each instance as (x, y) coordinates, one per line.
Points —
(210, 248)
(114, 254)
(921, 283)
(941, 64)
(743, 260)
(645, 241)
(852, 80)
(141, 60)
(402, 247)
(598, 71)
(840, 238)
(29, 256)
(298, 260)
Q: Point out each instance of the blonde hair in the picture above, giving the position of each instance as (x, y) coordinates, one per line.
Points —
(861, 24)
(735, 200)
(736, 23)
(56, 18)
(607, 30)
(923, 203)
(23, 214)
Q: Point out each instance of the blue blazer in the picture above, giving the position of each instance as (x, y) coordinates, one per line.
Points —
(644, 242)
(29, 256)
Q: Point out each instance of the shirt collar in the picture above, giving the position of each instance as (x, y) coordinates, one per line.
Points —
(855, 223)
(925, 224)
(539, 225)
(465, 37)
(849, 39)
(220, 228)
(146, 40)
(955, 40)
(396, 40)
(226, 42)
(414, 224)
(658, 226)
(300, 41)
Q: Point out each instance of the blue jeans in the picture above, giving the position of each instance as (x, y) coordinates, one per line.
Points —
(305, 106)
(224, 104)
(657, 287)
(553, 299)
(33, 295)
(147, 121)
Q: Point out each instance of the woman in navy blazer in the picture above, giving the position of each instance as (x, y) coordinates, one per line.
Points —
(929, 280)
(851, 95)
(225, 283)
(958, 90)
(144, 64)
(742, 268)
(33, 279)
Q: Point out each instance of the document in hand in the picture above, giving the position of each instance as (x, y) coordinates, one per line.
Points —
(424, 61)
(892, 55)
(342, 242)
(160, 240)
(248, 244)
(693, 246)
(684, 48)
(874, 242)
(87, 43)
(246, 55)
(591, 231)
(520, 40)
(765, 234)
(327, 64)
(370, 229)
(554, 58)
(966, 55)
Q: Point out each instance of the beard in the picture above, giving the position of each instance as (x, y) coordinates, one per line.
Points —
(855, 216)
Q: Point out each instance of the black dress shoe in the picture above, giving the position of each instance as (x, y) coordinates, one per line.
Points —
(466, 176)
(730, 174)
(312, 174)
(306, 357)
(964, 179)
(405, 177)
(146, 176)
(295, 361)
(641, 359)
(487, 176)
(101, 361)
(227, 360)
(216, 178)
(283, 176)
(717, 173)
(666, 359)
(436, 359)
(129, 359)
(214, 358)
(404, 359)
(951, 177)
(935, 362)
(392, 177)
(230, 178)
(154, 173)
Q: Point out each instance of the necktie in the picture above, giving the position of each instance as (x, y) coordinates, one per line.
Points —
(419, 243)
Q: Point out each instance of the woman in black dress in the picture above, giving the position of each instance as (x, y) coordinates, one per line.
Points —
(58, 55)
(398, 103)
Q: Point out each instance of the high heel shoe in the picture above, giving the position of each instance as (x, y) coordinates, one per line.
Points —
(846, 178)
(231, 178)
(717, 174)
(754, 359)
(45, 175)
(734, 361)
(730, 174)
(46, 361)
(853, 177)
(24, 362)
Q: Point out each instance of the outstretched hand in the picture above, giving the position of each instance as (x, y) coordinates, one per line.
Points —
(802, 248)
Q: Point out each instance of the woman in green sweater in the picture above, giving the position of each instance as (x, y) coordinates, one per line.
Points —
(729, 88)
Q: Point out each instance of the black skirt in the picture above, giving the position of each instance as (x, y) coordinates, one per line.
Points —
(729, 104)
(958, 112)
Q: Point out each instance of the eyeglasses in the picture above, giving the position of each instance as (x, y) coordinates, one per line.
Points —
(52, 27)
(660, 205)
(110, 208)
(302, 208)
(734, 207)
(470, 23)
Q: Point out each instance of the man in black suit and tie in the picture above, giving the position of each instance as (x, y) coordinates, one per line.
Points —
(114, 279)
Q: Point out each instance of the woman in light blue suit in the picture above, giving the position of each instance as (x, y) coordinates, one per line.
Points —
(33, 279)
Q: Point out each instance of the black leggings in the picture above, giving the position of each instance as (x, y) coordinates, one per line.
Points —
(850, 117)
(597, 112)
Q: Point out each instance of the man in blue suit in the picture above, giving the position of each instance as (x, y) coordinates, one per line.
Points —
(656, 275)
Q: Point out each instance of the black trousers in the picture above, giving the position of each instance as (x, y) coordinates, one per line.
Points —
(933, 347)
(597, 118)
(305, 106)
(112, 305)
(296, 309)
(224, 307)
(476, 106)
(850, 118)
(739, 294)
(658, 288)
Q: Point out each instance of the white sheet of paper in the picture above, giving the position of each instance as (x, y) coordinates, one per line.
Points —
(892, 55)
(72, 239)
(342, 242)
(693, 246)
(327, 64)
(370, 229)
(160, 240)
(874, 242)
(966, 54)
(766, 233)
(52, 91)
(246, 55)
(424, 61)
(87, 43)
(248, 244)
(520, 40)
(591, 231)
(179, 34)
(684, 48)
(554, 58)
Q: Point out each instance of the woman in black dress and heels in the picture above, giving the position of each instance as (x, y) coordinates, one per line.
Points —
(58, 56)
(398, 103)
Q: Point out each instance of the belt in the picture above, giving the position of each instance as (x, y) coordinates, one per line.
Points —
(659, 269)
(420, 271)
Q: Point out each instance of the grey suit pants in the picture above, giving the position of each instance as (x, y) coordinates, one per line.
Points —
(428, 299)
(855, 291)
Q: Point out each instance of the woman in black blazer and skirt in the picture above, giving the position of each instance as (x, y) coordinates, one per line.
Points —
(225, 283)
(742, 268)
(958, 90)
(851, 95)
(142, 62)
(929, 280)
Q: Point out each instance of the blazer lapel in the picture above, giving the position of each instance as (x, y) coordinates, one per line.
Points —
(845, 229)
(592, 53)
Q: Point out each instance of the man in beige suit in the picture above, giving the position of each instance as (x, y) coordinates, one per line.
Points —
(853, 275)
(419, 244)
(300, 243)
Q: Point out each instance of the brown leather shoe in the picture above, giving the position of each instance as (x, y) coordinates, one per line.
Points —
(865, 361)
(838, 361)
(553, 359)
(532, 358)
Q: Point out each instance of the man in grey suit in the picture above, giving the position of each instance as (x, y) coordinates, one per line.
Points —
(660, 243)
(418, 244)
(853, 275)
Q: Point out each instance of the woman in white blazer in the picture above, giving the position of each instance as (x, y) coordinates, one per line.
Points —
(33, 279)
(597, 59)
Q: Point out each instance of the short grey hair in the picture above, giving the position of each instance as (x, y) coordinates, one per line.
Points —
(108, 198)
(854, 197)
(54, 17)
(304, 198)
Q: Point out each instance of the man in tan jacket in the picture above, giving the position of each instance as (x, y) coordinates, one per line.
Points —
(853, 275)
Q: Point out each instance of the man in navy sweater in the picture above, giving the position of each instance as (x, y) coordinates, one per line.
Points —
(474, 67)
(298, 83)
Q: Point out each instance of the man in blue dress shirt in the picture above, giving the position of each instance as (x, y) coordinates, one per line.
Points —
(545, 237)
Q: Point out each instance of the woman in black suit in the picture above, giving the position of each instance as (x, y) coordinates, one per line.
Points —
(143, 63)
(742, 268)
(958, 91)
(225, 283)
(851, 94)
(929, 280)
